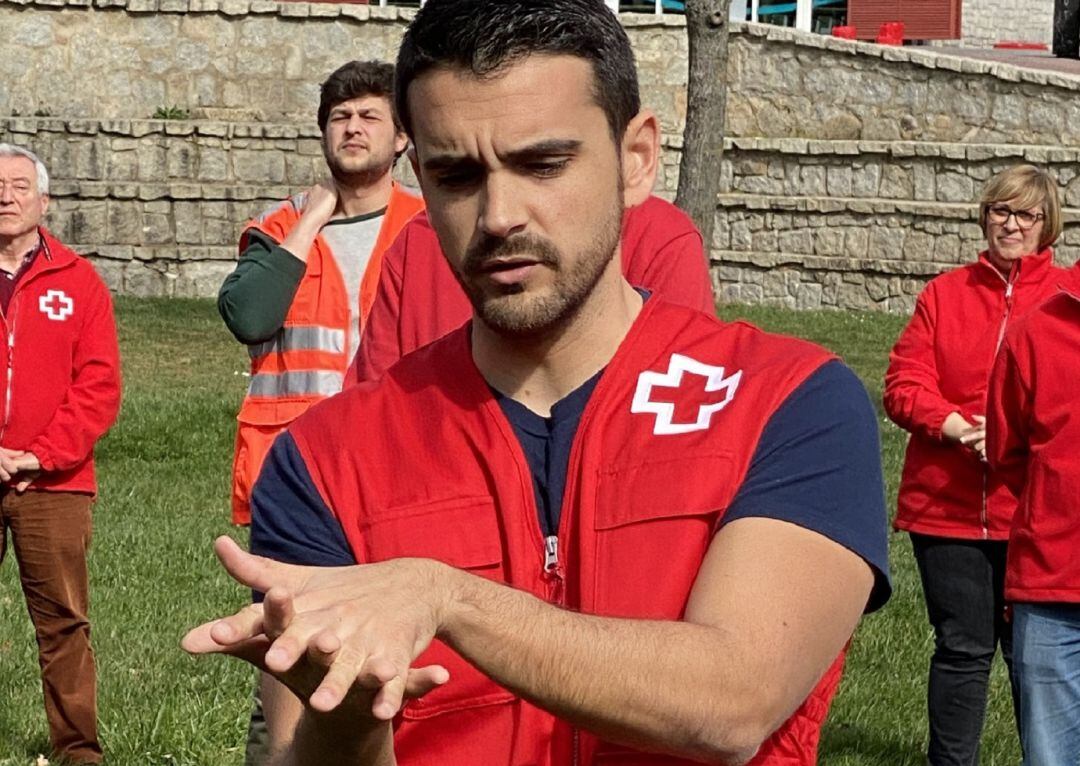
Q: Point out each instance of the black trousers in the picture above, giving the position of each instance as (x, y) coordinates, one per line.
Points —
(964, 585)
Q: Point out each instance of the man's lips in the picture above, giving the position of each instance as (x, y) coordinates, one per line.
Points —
(508, 270)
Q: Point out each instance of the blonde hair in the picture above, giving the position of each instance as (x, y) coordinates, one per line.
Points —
(1029, 187)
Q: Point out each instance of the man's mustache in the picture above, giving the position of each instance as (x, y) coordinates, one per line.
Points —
(490, 248)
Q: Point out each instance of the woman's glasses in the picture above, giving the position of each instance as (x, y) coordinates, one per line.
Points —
(1025, 219)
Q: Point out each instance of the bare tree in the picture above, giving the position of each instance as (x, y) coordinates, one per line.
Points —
(1067, 28)
(706, 104)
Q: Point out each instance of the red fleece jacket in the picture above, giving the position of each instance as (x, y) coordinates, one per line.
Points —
(60, 367)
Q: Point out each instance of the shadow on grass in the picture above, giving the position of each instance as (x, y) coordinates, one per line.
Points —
(852, 743)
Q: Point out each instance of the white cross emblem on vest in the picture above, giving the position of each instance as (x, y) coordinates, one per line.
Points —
(678, 366)
(56, 305)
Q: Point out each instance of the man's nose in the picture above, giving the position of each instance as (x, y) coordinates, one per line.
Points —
(503, 211)
(355, 124)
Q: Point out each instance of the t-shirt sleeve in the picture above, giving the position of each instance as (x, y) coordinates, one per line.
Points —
(290, 522)
(818, 465)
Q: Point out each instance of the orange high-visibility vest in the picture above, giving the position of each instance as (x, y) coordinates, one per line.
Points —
(306, 359)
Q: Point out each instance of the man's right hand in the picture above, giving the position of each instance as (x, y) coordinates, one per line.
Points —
(320, 202)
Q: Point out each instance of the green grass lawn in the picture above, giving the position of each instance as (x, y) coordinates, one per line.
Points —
(164, 472)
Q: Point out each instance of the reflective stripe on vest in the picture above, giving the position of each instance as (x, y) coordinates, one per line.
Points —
(301, 338)
(296, 383)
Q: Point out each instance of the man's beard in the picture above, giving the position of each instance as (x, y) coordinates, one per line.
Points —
(366, 173)
(512, 311)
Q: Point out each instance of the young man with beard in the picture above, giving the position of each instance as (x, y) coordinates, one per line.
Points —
(309, 267)
(630, 533)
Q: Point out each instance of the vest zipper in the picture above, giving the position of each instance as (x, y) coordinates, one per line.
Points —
(551, 553)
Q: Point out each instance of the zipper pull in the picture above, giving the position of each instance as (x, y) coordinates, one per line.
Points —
(1008, 290)
(551, 553)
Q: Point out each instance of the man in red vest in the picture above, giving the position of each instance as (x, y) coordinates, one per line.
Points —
(60, 377)
(309, 266)
(591, 526)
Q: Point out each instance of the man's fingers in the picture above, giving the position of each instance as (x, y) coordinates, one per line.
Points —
(389, 699)
(245, 624)
(335, 684)
(256, 571)
(420, 681)
(378, 671)
(323, 648)
(200, 640)
(278, 612)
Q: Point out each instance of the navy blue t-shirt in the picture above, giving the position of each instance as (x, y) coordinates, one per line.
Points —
(816, 465)
(546, 443)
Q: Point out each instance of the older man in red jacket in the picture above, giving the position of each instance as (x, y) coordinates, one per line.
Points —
(61, 381)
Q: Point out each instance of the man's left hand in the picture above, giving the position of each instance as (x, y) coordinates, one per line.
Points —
(370, 622)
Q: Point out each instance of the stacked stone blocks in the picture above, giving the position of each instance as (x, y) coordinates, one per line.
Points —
(849, 178)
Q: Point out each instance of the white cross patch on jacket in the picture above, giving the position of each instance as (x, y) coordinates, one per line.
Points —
(56, 305)
(707, 406)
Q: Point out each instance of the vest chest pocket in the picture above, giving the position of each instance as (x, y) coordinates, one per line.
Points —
(463, 533)
(654, 521)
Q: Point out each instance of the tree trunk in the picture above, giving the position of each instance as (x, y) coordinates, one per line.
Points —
(1067, 28)
(706, 104)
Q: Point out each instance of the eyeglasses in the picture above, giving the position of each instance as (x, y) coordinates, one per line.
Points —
(1025, 219)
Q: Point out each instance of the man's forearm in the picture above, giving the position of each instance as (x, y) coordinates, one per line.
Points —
(328, 739)
(299, 736)
(671, 687)
(255, 298)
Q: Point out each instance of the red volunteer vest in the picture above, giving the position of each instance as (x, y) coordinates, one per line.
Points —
(437, 472)
(307, 358)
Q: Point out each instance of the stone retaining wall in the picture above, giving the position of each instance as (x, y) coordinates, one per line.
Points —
(985, 22)
(829, 253)
(159, 205)
(850, 174)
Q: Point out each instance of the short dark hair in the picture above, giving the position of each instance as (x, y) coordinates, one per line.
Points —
(486, 36)
(356, 80)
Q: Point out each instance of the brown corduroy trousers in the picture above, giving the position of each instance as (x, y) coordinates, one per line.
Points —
(50, 534)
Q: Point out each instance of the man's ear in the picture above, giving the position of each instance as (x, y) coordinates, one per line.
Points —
(401, 141)
(640, 157)
(45, 199)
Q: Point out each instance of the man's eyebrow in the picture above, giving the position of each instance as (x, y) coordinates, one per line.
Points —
(359, 110)
(547, 148)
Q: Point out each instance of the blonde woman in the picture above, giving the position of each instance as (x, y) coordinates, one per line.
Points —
(958, 512)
